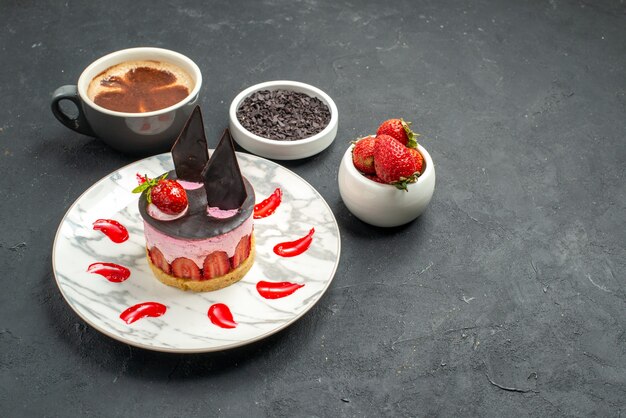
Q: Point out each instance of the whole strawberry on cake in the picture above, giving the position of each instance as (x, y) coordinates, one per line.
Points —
(198, 218)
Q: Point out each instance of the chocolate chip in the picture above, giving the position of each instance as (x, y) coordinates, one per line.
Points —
(283, 115)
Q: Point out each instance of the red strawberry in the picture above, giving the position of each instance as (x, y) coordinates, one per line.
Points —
(419, 159)
(363, 155)
(400, 130)
(215, 264)
(158, 259)
(375, 178)
(167, 195)
(241, 252)
(394, 163)
(185, 269)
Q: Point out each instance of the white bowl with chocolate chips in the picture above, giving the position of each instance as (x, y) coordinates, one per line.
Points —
(283, 120)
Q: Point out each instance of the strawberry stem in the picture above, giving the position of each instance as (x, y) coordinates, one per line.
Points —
(147, 185)
(403, 183)
(412, 142)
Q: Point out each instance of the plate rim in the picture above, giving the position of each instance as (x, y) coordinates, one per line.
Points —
(225, 347)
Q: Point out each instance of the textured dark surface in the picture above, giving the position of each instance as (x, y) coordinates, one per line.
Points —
(513, 278)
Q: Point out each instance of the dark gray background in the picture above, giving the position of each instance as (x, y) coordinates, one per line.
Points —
(514, 276)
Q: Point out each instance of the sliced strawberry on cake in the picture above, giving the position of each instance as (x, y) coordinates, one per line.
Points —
(215, 264)
(241, 252)
(158, 259)
(185, 269)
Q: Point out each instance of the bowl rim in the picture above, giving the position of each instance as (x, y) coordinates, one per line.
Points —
(334, 117)
(428, 171)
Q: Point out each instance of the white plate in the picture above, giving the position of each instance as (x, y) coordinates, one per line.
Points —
(186, 327)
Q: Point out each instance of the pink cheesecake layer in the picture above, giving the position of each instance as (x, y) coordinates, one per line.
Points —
(196, 250)
(220, 213)
(190, 185)
(157, 213)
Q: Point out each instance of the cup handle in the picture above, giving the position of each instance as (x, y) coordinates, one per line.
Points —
(78, 124)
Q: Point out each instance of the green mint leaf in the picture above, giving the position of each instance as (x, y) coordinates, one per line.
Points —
(143, 186)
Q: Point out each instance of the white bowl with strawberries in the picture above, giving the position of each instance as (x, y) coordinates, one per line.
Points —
(387, 179)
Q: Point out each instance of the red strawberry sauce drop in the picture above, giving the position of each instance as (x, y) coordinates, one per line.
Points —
(269, 205)
(276, 290)
(220, 315)
(142, 310)
(110, 271)
(141, 179)
(112, 229)
(293, 248)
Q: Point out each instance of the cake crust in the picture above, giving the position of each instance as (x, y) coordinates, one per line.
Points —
(209, 285)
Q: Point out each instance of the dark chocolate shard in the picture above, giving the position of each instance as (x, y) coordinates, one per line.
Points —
(223, 182)
(190, 152)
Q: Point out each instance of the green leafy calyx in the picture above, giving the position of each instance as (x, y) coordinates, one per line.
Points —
(147, 185)
(412, 142)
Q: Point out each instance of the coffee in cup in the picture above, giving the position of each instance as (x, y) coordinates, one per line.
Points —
(136, 100)
(140, 86)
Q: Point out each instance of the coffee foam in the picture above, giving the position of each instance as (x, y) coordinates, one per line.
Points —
(120, 70)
